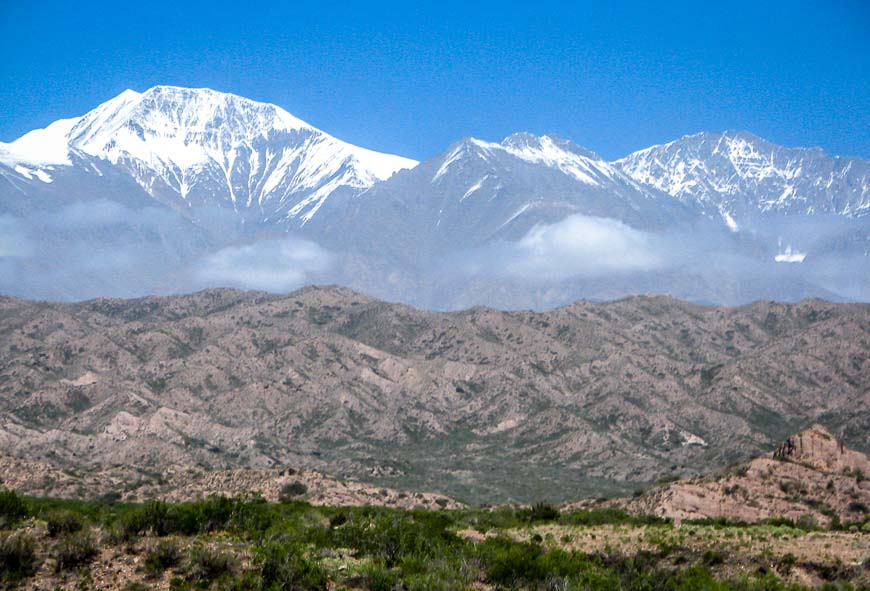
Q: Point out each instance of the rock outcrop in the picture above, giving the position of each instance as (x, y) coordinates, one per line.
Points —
(810, 476)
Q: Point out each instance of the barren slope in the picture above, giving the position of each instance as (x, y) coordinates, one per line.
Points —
(810, 474)
(484, 405)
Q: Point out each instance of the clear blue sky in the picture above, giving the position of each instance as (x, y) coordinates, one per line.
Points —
(613, 77)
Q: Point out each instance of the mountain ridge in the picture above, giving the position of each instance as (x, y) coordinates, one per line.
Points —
(810, 476)
(200, 188)
(599, 397)
(773, 173)
(184, 145)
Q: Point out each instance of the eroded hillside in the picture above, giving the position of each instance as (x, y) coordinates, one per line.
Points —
(482, 405)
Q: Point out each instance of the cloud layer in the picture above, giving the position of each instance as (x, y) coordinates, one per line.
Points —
(105, 248)
(269, 265)
(14, 238)
(580, 246)
(577, 246)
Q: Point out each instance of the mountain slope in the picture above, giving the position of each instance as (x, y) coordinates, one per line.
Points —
(482, 405)
(810, 474)
(199, 188)
(194, 148)
(478, 193)
(132, 483)
(735, 176)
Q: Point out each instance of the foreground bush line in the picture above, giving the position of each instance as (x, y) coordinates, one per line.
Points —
(247, 543)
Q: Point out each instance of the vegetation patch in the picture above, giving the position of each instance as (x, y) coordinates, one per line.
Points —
(247, 543)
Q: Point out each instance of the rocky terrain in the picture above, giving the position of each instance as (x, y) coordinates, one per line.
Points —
(797, 516)
(41, 479)
(481, 405)
(810, 476)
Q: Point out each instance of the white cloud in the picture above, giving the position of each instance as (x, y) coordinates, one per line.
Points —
(14, 239)
(580, 246)
(270, 265)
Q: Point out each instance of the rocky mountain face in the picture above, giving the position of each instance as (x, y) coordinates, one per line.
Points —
(173, 190)
(483, 193)
(810, 475)
(481, 405)
(184, 484)
(197, 148)
(735, 175)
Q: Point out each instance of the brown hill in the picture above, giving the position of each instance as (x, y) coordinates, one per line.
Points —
(186, 484)
(481, 404)
(810, 475)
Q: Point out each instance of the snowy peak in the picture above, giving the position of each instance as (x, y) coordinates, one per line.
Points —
(180, 125)
(478, 192)
(547, 150)
(735, 174)
(464, 151)
(579, 163)
(199, 147)
(528, 143)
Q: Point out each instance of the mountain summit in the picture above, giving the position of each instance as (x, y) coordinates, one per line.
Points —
(735, 175)
(198, 147)
(479, 193)
(175, 189)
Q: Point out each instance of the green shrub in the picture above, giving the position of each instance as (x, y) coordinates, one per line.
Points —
(156, 518)
(781, 522)
(159, 556)
(284, 566)
(13, 508)
(207, 563)
(74, 550)
(378, 577)
(60, 521)
(127, 526)
(713, 557)
(439, 577)
(152, 517)
(609, 517)
(508, 562)
(292, 490)
(807, 522)
(858, 507)
(215, 513)
(668, 478)
(18, 557)
(110, 498)
(391, 535)
(543, 512)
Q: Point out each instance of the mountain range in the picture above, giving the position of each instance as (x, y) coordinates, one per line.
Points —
(483, 405)
(175, 189)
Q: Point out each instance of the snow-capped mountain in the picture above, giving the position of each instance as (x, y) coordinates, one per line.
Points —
(736, 176)
(192, 148)
(479, 192)
(176, 189)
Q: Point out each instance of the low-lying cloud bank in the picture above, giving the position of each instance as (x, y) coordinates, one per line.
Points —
(104, 248)
(270, 265)
(580, 246)
(584, 256)
(577, 246)
(92, 249)
(14, 238)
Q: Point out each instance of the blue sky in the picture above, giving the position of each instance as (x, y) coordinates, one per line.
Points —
(614, 77)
